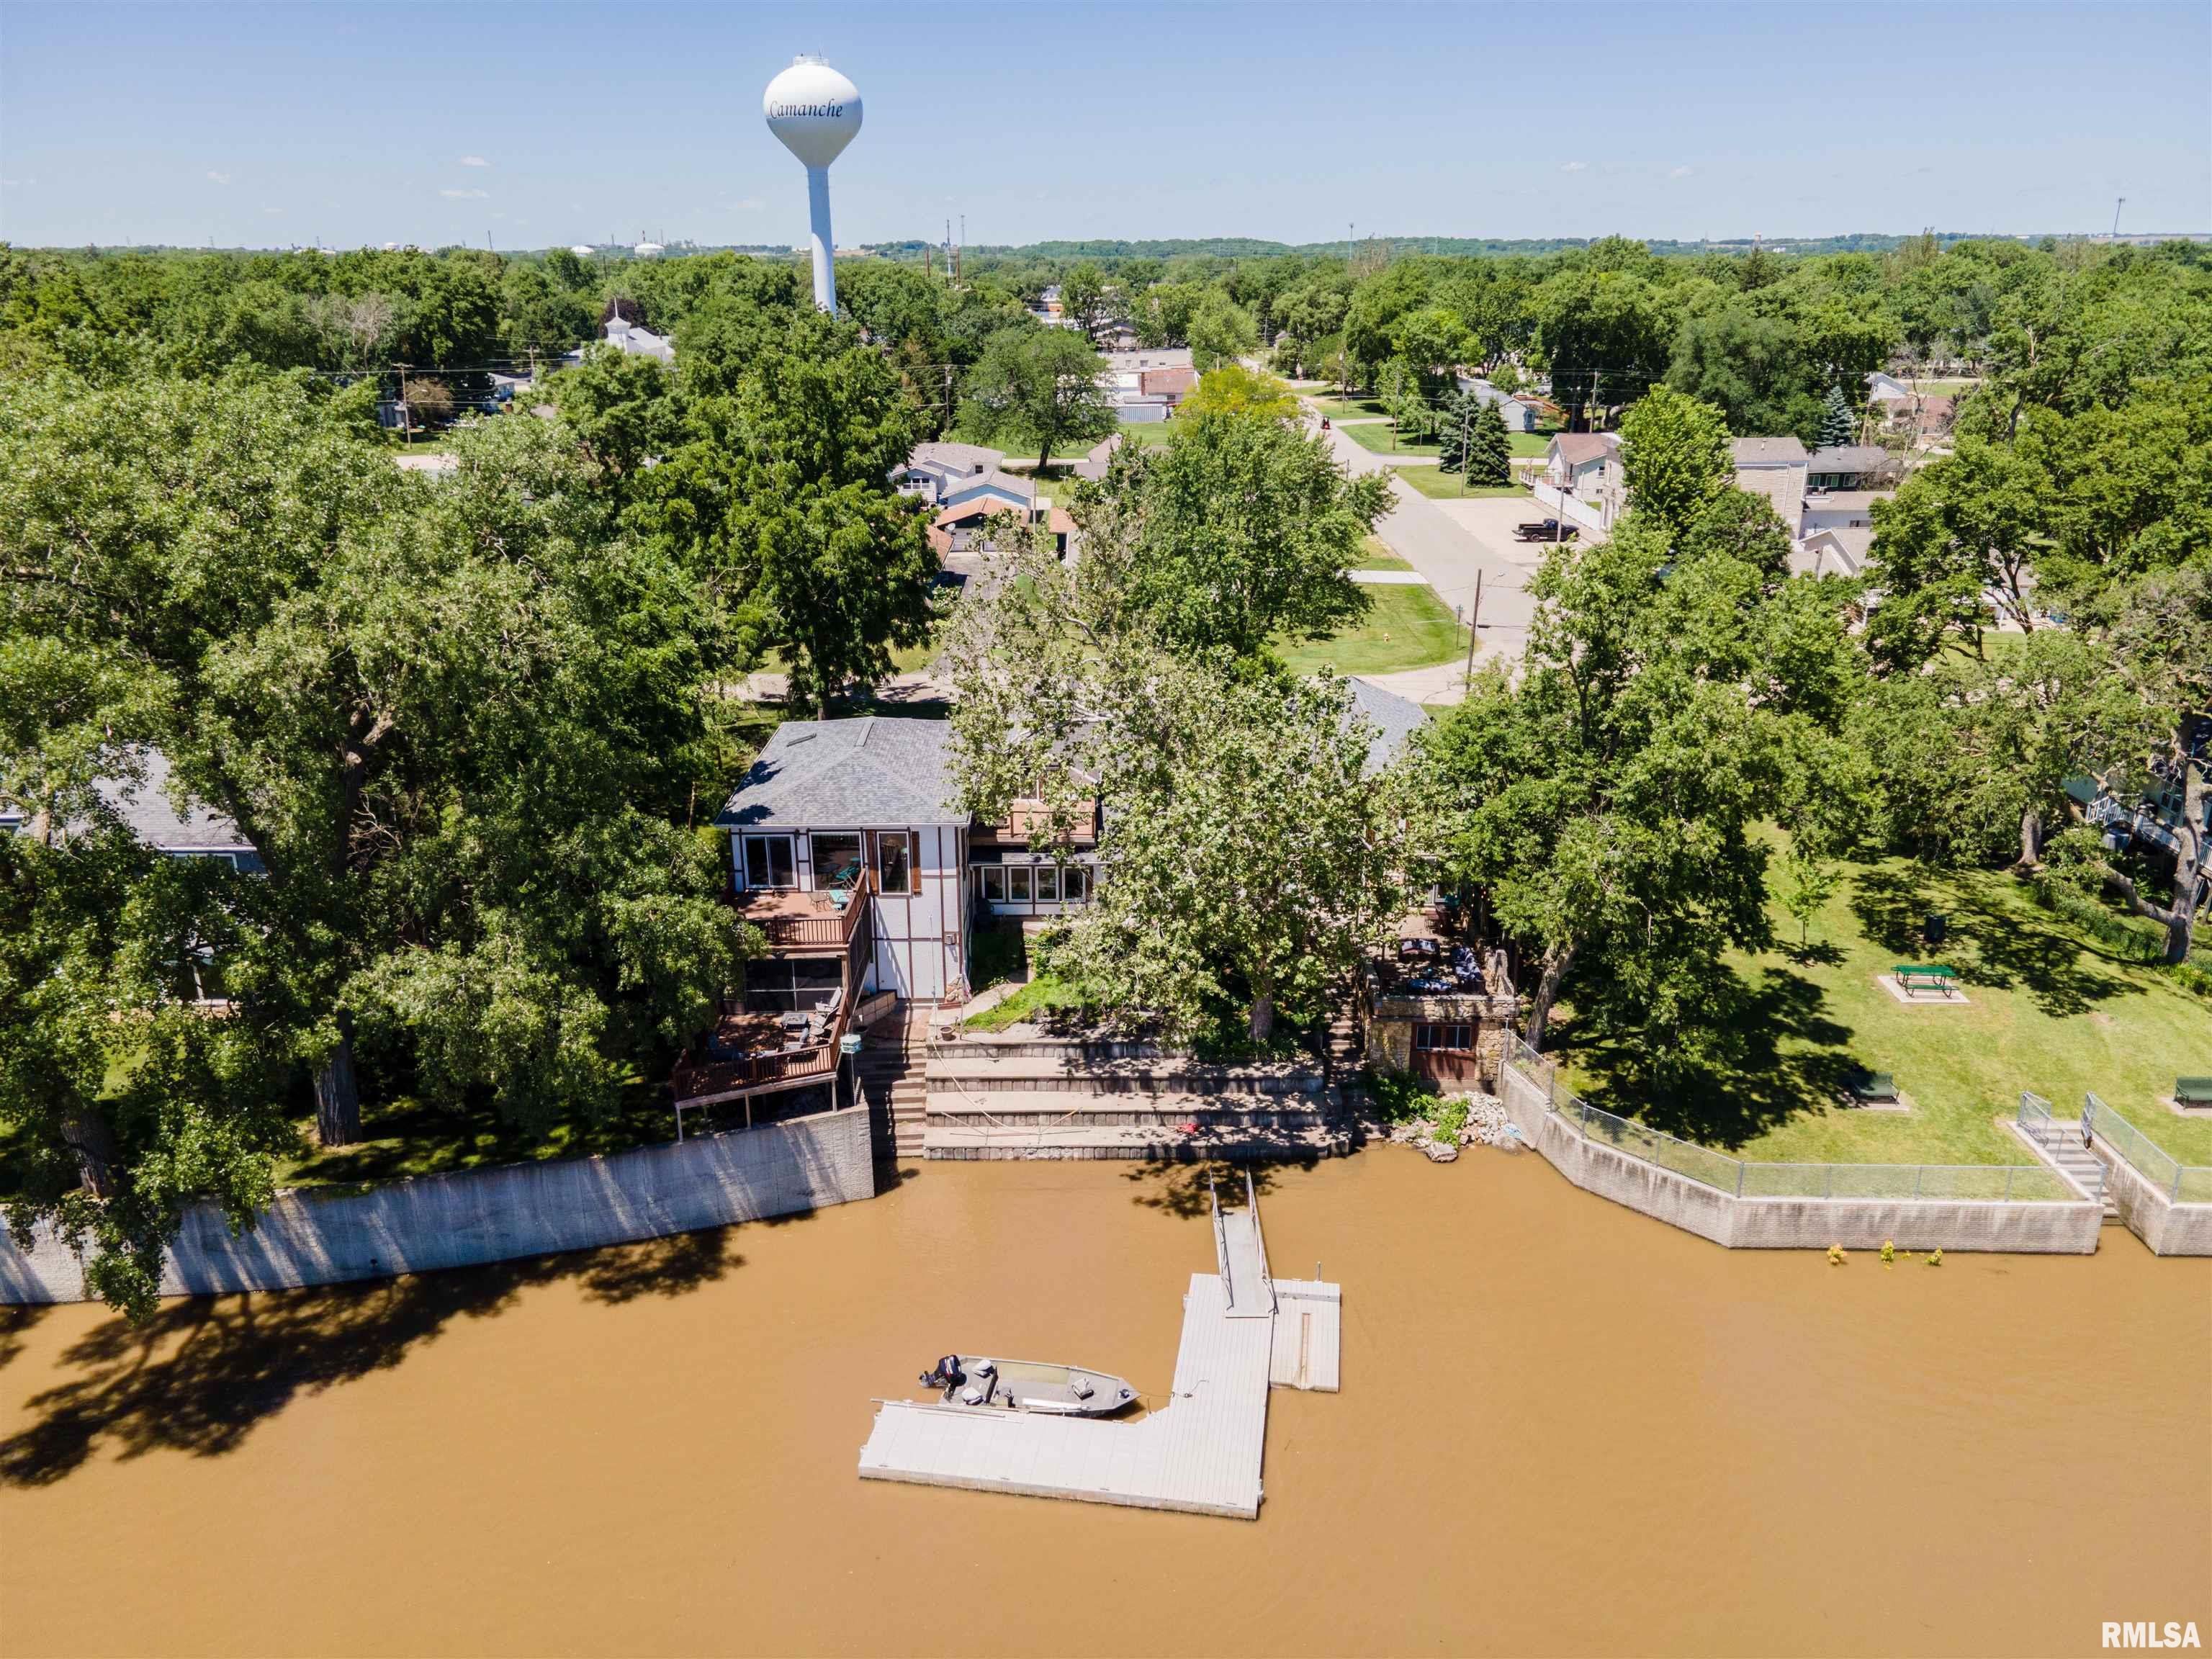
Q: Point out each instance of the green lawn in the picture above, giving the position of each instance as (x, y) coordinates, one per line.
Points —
(1143, 436)
(1047, 993)
(1379, 556)
(1340, 409)
(1378, 439)
(2050, 1008)
(1440, 485)
(1404, 627)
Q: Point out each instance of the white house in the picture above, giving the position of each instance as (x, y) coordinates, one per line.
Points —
(935, 468)
(1841, 509)
(1839, 551)
(634, 339)
(1586, 465)
(1519, 416)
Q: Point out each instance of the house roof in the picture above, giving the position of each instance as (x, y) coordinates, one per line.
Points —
(1395, 718)
(965, 458)
(989, 506)
(1581, 448)
(1832, 501)
(144, 805)
(1093, 466)
(1768, 452)
(1840, 551)
(869, 773)
(1006, 483)
(1848, 458)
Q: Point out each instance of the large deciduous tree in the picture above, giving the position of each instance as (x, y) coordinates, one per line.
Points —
(1041, 385)
(1675, 457)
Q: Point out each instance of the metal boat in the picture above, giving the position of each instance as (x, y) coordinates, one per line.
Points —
(1028, 1385)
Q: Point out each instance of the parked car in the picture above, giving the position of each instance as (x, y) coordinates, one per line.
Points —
(1544, 530)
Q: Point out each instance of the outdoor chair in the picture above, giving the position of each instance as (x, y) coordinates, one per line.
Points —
(2194, 1092)
(1874, 1087)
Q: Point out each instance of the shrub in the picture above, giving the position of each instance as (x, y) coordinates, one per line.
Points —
(1400, 1097)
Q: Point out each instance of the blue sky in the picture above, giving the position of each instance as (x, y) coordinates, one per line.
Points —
(543, 123)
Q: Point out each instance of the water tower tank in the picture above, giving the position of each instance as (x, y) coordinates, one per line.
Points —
(813, 110)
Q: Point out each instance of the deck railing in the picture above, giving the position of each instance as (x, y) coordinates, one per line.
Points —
(2182, 1183)
(825, 932)
(2024, 1183)
(702, 1082)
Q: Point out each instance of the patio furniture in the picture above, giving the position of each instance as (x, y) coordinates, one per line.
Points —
(1912, 978)
(1874, 1087)
(2192, 1092)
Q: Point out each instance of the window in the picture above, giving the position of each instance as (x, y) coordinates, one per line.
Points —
(767, 862)
(837, 858)
(1444, 1039)
(894, 869)
(1074, 883)
(1018, 884)
(1048, 884)
(993, 880)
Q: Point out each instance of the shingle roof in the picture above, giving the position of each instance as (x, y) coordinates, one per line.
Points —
(1580, 448)
(966, 456)
(144, 805)
(1395, 718)
(1848, 458)
(864, 774)
(1768, 452)
(1833, 500)
(1841, 552)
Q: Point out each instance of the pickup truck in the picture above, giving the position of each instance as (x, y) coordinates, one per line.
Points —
(1544, 529)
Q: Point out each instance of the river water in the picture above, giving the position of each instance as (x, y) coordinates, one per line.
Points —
(1565, 1429)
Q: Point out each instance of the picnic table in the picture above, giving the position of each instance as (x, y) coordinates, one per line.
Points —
(1915, 977)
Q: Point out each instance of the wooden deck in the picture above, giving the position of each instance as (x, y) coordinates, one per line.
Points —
(1200, 1452)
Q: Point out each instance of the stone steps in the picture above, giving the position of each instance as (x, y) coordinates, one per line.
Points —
(1032, 1110)
(889, 1068)
(962, 1143)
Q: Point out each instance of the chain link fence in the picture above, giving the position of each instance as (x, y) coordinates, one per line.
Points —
(2182, 1183)
(2002, 1183)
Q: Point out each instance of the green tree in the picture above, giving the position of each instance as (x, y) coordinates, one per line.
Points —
(1605, 799)
(1471, 437)
(1233, 389)
(1676, 456)
(1838, 425)
(1960, 532)
(1237, 531)
(1220, 331)
(1040, 385)
(1083, 299)
(1431, 342)
(1604, 334)
(454, 719)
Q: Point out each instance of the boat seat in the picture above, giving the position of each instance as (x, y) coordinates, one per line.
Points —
(972, 1396)
(1081, 1387)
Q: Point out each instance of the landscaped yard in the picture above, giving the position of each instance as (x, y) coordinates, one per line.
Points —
(2049, 1008)
(1380, 557)
(1404, 627)
(1340, 409)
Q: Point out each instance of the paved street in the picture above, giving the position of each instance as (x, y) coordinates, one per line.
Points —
(1451, 543)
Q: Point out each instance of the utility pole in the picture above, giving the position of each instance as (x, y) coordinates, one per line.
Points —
(1466, 432)
(1474, 623)
(2116, 206)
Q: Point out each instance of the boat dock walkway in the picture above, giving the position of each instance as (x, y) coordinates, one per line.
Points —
(1200, 1452)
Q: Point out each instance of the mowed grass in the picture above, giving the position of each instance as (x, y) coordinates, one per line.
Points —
(2049, 1008)
(1355, 408)
(1379, 439)
(1404, 627)
(1440, 485)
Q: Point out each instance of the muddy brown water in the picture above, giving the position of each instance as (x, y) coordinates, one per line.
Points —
(1565, 1429)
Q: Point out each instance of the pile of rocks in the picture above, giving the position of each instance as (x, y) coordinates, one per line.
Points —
(1488, 1125)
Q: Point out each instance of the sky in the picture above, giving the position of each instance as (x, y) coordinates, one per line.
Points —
(534, 125)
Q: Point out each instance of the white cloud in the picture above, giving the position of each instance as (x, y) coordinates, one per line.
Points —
(219, 178)
(1680, 173)
(751, 204)
(1575, 167)
(474, 161)
(463, 195)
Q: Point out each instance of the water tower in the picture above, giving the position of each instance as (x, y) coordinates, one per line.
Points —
(816, 112)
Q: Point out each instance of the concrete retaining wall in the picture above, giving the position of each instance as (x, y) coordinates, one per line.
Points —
(493, 1215)
(2169, 1229)
(1793, 1222)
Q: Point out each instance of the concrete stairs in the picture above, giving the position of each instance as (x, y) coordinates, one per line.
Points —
(2065, 1150)
(1030, 1097)
(890, 1072)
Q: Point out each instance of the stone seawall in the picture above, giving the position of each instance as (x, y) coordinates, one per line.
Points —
(2060, 1229)
(2168, 1228)
(461, 1220)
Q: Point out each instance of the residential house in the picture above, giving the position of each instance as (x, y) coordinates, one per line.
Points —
(974, 526)
(1886, 390)
(840, 813)
(1519, 414)
(1848, 466)
(1008, 490)
(631, 337)
(139, 794)
(1774, 468)
(934, 468)
(1586, 465)
(1173, 383)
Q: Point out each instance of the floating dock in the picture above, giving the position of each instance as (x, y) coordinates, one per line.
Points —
(1242, 1331)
